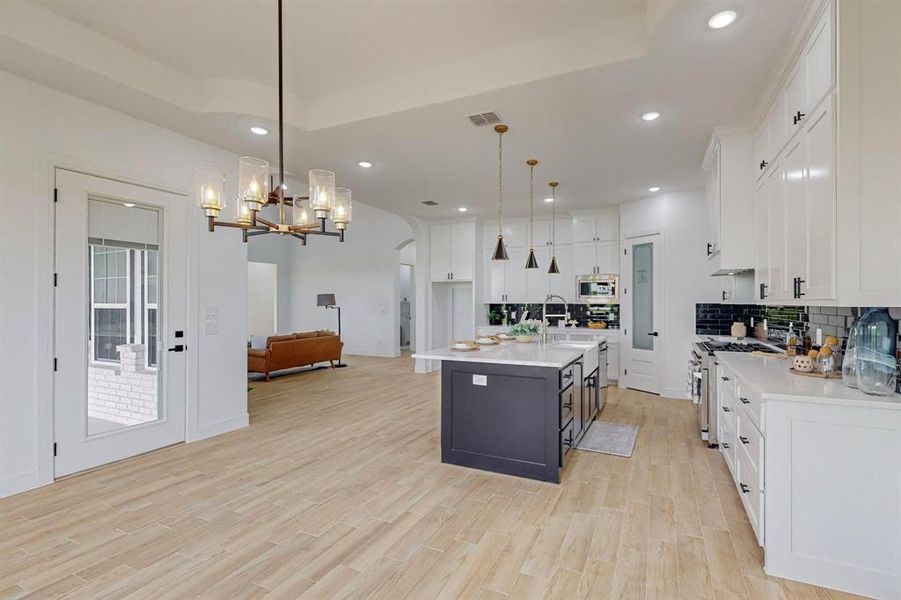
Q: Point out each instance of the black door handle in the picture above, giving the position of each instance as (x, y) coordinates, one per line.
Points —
(709, 248)
(744, 489)
(654, 333)
(763, 287)
(178, 348)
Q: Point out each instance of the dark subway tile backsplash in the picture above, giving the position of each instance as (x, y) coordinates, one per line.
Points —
(717, 319)
(583, 313)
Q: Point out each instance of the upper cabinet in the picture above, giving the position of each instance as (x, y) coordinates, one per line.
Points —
(452, 251)
(729, 191)
(596, 242)
(602, 226)
(827, 209)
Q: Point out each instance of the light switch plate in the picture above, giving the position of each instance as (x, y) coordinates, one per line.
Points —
(479, 380)
(211, 328)
(211, 312)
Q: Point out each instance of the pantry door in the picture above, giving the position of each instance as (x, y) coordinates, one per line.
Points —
(119, 321)
(640, 305)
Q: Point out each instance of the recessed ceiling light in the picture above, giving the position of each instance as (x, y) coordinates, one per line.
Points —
(722, 19)
(462, 209)
(259, 130)
(655, 188)
(365, 164)
(652, 115)
(548, 200)
(128, 204)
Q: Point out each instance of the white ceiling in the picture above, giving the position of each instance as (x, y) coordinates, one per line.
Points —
(392, 83)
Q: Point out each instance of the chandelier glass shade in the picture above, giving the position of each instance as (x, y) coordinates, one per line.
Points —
(254, 190)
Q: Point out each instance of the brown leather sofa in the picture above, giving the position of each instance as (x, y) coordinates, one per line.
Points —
(295, 350)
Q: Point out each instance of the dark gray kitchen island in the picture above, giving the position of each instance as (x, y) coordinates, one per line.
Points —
(517, 409)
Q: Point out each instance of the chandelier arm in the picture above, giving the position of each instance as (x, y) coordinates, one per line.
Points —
(266, 222)
(240, 226)
(255, 233)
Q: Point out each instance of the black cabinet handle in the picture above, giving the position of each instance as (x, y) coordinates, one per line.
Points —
(709, 248)
(744, 440)
(724, 294)
(725, 445)
(654, 333)
(800, 293)
(799, 115)
(744, 489)
(727, 409)
(745, 401)
(724, 378)
(763, 288)
(568, 375)
(763, 165)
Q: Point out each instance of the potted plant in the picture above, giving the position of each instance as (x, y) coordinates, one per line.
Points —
(526, 331)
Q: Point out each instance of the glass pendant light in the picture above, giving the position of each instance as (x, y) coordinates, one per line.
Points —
(500, 251)
(531, 262)
(553, 269)
(341, 214)
(209, 190)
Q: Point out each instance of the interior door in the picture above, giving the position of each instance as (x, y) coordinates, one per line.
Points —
(120, 303)
(641, 308)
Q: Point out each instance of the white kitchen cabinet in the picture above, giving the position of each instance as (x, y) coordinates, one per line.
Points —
(596, 258)
(516, 234)
(563, 284)
(613, 357)
(599, 226)
(762, 239)
(452, 251)
(811, 78)
(729, 192)
(736, 289)
(495, 280)
(777, 282)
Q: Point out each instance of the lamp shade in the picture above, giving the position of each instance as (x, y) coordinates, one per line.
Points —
(325, 300)
(322, 192)
(209, 189)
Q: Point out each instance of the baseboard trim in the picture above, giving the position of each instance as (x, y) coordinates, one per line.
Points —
(23, 482)
(203, 432)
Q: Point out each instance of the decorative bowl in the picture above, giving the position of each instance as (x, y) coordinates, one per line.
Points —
(803, 364)
(525, 339)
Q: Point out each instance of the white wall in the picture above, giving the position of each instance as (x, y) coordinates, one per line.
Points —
(41, 127)
(682, 219)
(262, 298)
(363, 273)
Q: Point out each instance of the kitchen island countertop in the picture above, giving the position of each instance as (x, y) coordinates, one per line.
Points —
(555, 354)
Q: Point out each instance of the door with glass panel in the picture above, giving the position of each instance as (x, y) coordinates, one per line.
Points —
(120, 306)
(640, 308)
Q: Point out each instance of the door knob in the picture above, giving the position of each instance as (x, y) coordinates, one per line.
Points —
(178, 348)
(654, 333)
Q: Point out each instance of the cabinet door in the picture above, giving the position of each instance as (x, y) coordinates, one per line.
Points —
(607, 227)
(516, 235)
(463, 251)
(541, 234)
(779, 290)
(762, 239)
(818, 59)
(796, 215)
(495, 276)
(795, 95)
(608, 258)
(762, 149)
(564, 283)
(819, 281)
(440, 243)
(584, 228)
(713, 200)
(777, 129)
(612, 361)
(515, 275)
(537, 279)
(584, 258)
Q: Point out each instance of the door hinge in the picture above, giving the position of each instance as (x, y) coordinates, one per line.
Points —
(55, 279)
(54, 448)
(625, 371)
(55, 195)
(624, 251)
(54, 363)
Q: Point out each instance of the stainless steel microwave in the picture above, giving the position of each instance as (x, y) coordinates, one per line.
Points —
(598, 289)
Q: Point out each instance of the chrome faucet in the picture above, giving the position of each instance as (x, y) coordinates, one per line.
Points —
(544, 315)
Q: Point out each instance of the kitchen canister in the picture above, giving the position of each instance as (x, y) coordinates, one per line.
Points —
(739, 330)
(877, 343)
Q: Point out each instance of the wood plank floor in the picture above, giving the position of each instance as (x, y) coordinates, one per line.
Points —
(336, 491)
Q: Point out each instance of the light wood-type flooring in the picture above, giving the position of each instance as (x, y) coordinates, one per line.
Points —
(336, 491)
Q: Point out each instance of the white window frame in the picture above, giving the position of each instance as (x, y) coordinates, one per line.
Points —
(115, 305)
(147, 305)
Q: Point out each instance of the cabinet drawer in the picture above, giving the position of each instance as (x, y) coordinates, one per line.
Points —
(727, 406)
(566, 442)
(726, 381)
(567, 375)
(727, 445)
(752, 404)
(567, 400)
(751, 494)
(751, 442)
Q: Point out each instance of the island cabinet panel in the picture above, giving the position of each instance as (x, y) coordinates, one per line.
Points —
(503, 418)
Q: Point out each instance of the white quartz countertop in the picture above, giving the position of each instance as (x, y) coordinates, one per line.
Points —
(556, 354)
(771, 378)
(606, 332)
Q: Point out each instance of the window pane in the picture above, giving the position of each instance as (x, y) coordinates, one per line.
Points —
(643, 296)
(151, 337)
(109, 332)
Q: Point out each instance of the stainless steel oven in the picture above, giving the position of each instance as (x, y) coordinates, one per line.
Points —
(702, 374)
(597, 289)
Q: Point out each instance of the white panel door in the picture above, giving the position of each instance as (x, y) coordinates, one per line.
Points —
(641, 311)
(776, 202)
(819, 281)
(120, 303)
(608, 257)
(515, 276)
(585, 258)
(440, 243)
(794, 167)
(463, 251)
(584, 228)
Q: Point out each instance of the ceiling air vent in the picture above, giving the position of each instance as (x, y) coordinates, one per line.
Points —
(430, 203)
(488, 118)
